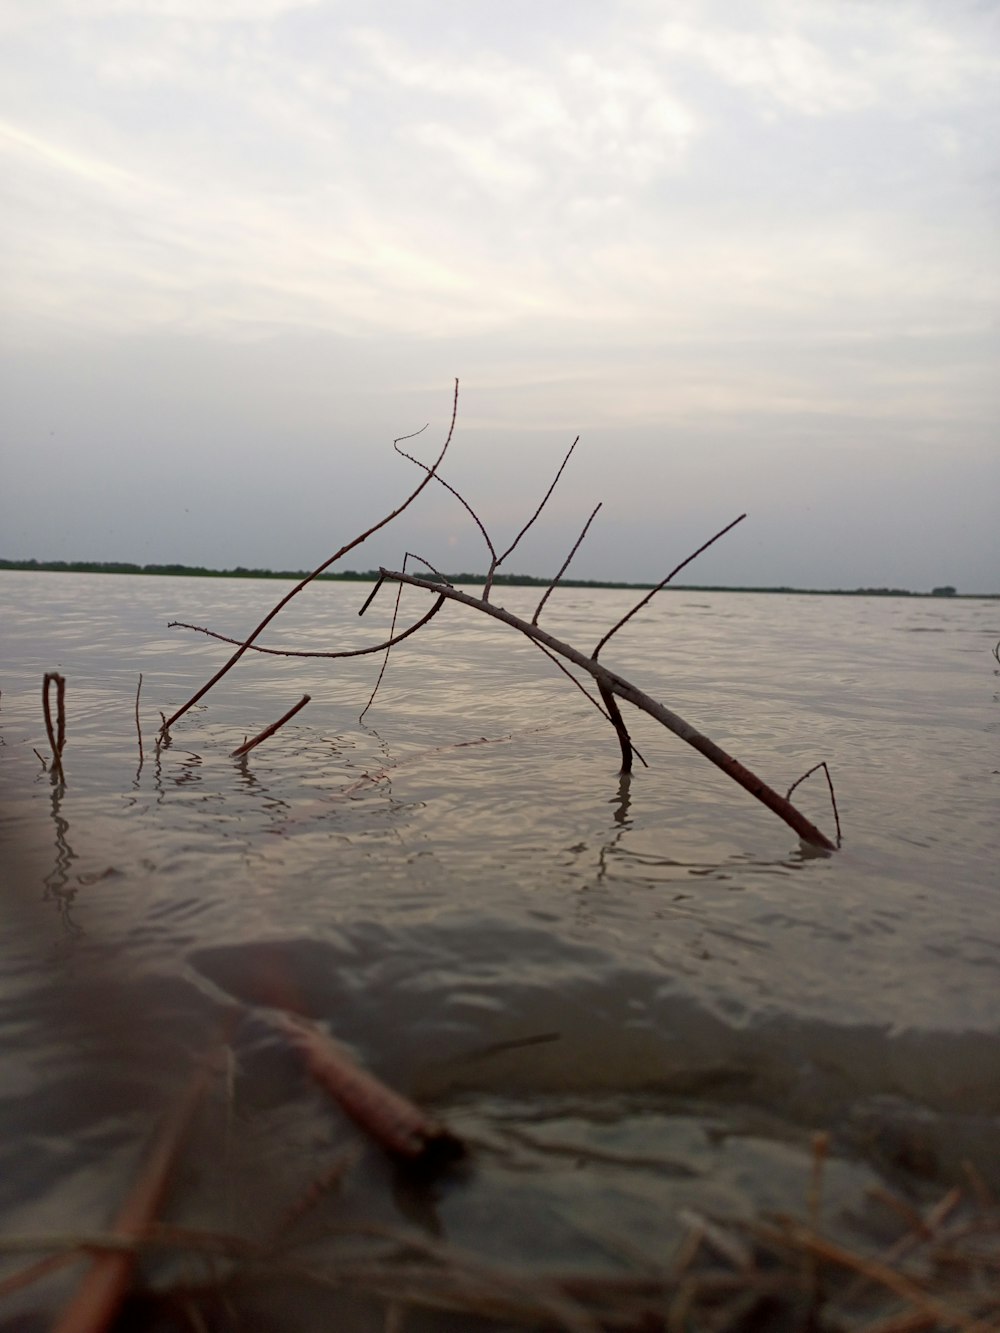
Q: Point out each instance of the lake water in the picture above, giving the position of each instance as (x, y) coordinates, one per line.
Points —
(636, 998)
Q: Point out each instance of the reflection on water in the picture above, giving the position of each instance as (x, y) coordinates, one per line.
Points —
(563, 959)
(57, 886)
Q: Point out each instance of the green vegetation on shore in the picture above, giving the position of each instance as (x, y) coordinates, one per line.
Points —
(370, 575)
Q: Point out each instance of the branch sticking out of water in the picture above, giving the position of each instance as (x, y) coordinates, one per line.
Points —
(349, 546)
(247, 746)
(618, 686)
(611, 686)
(829, 783)
(56, 735)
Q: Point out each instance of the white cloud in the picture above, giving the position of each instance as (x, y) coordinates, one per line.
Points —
(821, 59)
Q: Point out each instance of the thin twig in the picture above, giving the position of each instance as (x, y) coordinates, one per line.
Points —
(349, 546)
(458, 496)
(663, 582)
(57, 734)
(564, 566)
(290, 652)
(499, 559)
(138, 728)
(385, 660)
(829, 783)
(247, 746)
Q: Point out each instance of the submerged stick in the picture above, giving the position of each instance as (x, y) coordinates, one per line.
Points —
(104, 1287)
(349, 546)
(394, 1122)
(247, 746)
(57, 735)
(624, 689)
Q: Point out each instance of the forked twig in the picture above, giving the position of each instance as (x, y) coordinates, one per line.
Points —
(829, 783)
(585, 692)
(393, 638)
(663, 582)
(498, 561)
(349, 546)
(247, 746)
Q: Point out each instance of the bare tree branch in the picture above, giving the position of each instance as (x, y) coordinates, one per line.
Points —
(663, 582)
(624, 689)
(247, 643)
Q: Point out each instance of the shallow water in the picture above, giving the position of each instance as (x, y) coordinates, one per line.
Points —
(637, 997)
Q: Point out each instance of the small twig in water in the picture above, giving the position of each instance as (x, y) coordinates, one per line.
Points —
(829, 783)
(269, 731)
(138, 728)
(57, 736)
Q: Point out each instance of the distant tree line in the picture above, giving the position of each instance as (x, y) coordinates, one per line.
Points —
(371, 576)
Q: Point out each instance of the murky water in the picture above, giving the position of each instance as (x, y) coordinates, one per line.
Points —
(635, 997)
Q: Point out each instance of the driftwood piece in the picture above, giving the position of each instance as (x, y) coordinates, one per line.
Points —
(386, 1116)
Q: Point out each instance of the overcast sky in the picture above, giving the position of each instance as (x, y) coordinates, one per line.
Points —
(748, 251)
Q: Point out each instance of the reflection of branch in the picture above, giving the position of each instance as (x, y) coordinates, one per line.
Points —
(663, 582)
(316, 572)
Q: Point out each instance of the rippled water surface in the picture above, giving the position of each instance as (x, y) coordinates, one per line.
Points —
(585, 975)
